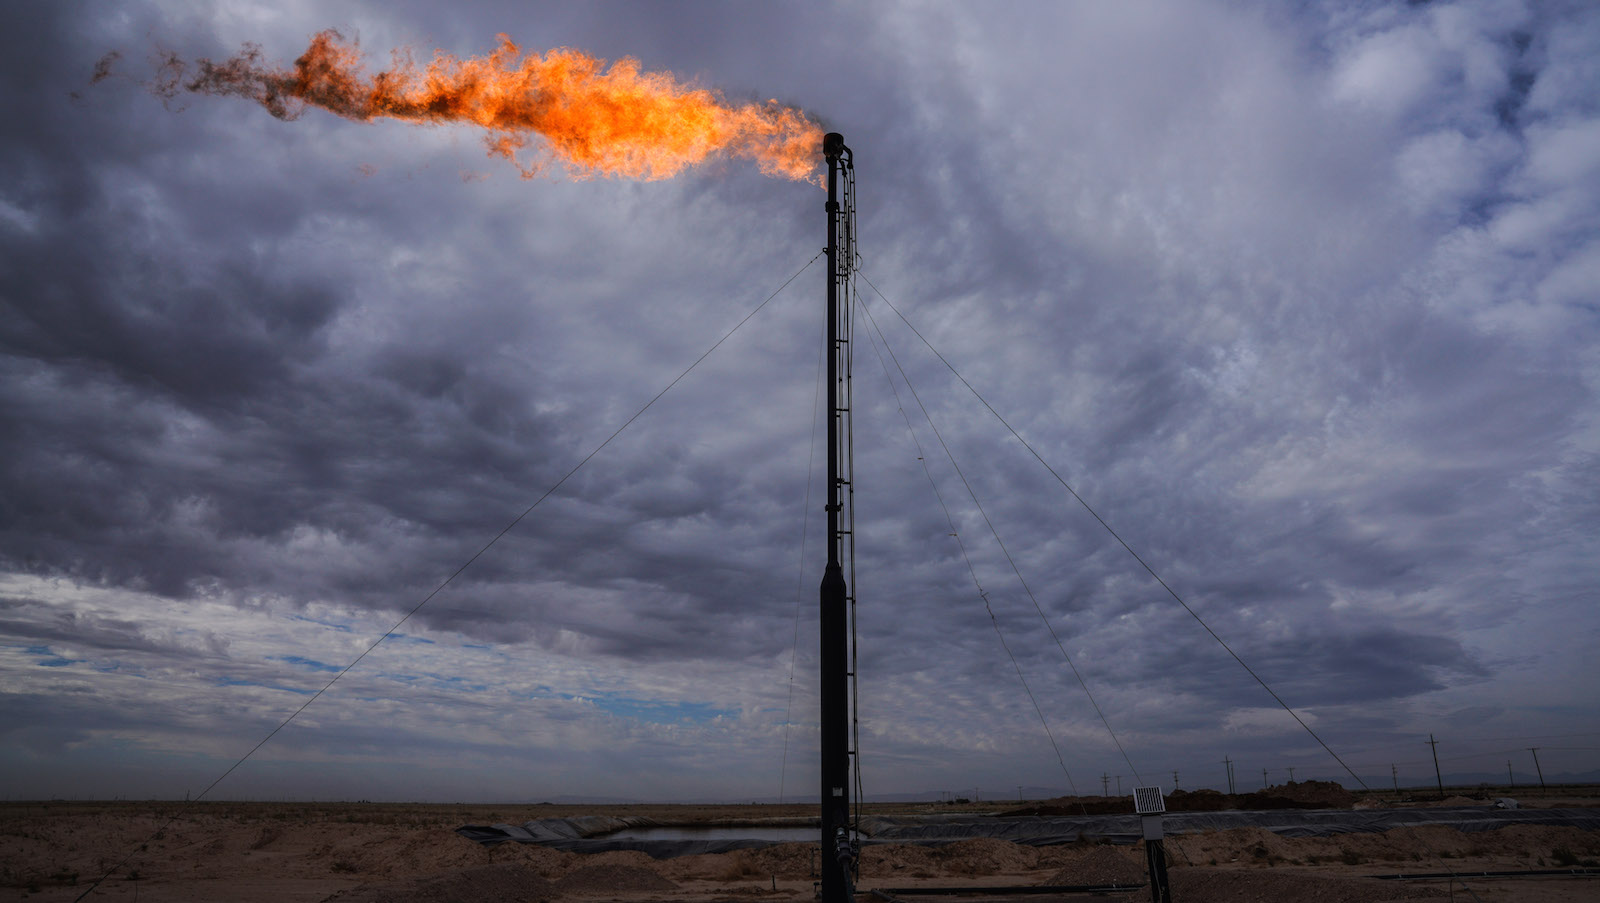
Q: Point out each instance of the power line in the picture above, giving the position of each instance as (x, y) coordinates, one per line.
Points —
(1382, 749)
(994, 532)
(1531, 737)
(956, 535)
(1151, 571)
(1114, 535)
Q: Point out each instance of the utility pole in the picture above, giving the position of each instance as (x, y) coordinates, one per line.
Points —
(1263, 779)
(1394, 772)
(1019, 792)
(1105, 785)
(1119, 785)
(1227, 765)
(1535, 751)
(1436, 776)
(1510, 779)
(1174, 780)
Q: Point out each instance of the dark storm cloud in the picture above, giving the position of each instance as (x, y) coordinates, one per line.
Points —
(124, 321)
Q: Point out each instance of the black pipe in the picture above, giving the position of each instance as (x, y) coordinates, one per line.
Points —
(834, 626)
(1520, 873)
(1017, 890)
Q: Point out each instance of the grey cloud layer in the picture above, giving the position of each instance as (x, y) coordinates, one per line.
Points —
(1301, 302)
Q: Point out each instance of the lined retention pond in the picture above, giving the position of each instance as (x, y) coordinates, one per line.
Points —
(763, 833)
(596, 834)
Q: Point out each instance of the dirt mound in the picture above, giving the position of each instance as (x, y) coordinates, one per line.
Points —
(1254, 845)
(1199, 801)
(1233, 886)
(1077, 805)
(612, 879)
(396, 852)
(785, 860)
(984, 856)
(1542, 837)
(1101, 865)
(898, 860)
(1413, 843)
(1303, 795)
(544, 861)
(1293, 795)
(1425, 848)
(488, 882)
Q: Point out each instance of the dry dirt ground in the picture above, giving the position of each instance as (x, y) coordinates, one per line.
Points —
(407, 853)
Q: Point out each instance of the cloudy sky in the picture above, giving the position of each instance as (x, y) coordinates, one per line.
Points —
(1302, 298)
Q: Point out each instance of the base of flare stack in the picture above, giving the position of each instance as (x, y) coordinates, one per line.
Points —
(832, 144)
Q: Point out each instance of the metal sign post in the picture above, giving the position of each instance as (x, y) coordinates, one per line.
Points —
(1148, 803)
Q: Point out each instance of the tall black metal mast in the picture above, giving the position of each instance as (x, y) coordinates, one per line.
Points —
(837, 854)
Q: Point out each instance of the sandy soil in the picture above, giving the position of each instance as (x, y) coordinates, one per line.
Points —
(364, 853)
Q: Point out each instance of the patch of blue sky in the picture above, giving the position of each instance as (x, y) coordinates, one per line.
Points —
(345, 628)
(408, 638)
(476, 646)
(236, 682)
(310, 664)
(656, 711)
(456, 683)
(49, 658)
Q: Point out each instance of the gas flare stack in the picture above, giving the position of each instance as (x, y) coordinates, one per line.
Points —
(838, 853)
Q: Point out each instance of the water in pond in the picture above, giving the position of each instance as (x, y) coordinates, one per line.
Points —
(771, 833)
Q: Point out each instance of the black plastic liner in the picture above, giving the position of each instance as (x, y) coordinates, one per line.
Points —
(1045, 831)
(587, 834)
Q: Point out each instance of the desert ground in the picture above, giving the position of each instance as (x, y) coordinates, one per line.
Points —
(364, 852)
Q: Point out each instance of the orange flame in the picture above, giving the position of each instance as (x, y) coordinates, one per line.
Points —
(595, 120)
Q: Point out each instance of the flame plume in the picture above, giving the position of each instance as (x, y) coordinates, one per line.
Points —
(593, 119)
